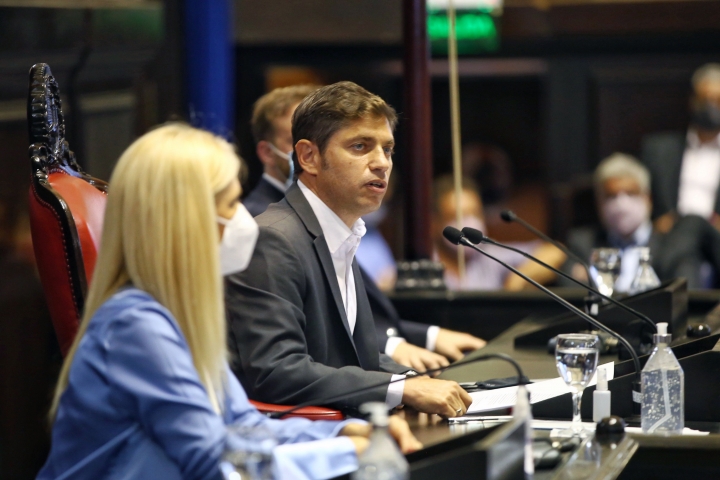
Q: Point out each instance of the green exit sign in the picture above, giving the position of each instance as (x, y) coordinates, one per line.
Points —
(476, 30)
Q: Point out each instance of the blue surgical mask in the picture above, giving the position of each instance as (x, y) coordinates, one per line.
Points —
(289, 157)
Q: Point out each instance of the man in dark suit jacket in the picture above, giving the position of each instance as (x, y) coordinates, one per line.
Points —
(685, 166)
(301, 327)
(272, 129)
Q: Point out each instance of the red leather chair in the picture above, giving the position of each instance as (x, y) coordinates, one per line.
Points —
(66, 215)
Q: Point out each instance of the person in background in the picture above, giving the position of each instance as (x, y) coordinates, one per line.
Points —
(482, 273)
(145, 390)
(413, 344)
(685, 166)
(623, 198)
(309, 333)
(271, 128)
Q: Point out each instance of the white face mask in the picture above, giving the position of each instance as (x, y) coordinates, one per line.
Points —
(238, 241)
(624, 213)
(288, 157)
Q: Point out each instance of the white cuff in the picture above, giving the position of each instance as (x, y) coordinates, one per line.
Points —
(431, 339)
(391, 345)
(395, 391)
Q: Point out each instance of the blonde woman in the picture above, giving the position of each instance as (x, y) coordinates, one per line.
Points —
(145, 391)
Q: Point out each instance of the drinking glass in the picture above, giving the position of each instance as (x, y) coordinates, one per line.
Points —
(576, 357)
(248, 453)
(605, 266)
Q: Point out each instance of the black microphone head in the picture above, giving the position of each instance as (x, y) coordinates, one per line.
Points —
(474, 235)
(453, 235)
(508, 215)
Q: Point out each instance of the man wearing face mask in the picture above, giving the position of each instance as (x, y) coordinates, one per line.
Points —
(685, 166)
(271, 128)
(622, 192)
(301, 325)
(482, 273)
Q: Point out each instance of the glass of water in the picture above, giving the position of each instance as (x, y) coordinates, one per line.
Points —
(605, 266)
(248, 453)
(576, 357)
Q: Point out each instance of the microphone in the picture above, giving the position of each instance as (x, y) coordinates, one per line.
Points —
(324, 401)
(476, 236)
(509, 216)
(456, 237)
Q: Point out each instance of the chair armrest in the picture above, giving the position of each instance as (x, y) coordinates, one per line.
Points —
(312, 413)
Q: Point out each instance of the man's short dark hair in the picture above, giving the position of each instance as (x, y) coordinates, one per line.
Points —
(274, 105)
(334, 107)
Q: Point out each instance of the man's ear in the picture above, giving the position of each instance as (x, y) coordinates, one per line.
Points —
(265, 153)
(308, 156)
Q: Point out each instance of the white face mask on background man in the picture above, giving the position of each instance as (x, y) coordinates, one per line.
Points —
(623, 213)
(288, 158)
(238, 241)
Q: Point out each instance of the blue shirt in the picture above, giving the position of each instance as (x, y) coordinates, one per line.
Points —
(135, 408)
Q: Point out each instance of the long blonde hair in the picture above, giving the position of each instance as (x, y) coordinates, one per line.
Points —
(161, 236)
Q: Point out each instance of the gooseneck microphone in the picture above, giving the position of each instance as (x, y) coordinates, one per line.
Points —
(325, 401)
(456, 237)
(476, 236)
(509, 216)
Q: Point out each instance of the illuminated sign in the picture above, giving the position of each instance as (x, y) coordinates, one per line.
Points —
(476, 25)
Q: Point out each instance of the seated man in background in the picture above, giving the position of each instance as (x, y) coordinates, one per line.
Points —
(685, 166)
(416, 345)
(301, 328)
(481, 272)
(622, 191)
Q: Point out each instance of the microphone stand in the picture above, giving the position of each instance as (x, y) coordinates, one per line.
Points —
(456, 237)
(324, 401)
(472, 234)
(591, 301)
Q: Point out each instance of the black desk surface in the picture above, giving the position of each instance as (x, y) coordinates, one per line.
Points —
(487, 314)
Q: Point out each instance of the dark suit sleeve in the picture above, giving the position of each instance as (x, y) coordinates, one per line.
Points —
(386, 317)
(267, 333)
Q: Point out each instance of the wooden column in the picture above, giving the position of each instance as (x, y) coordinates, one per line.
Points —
(416, 114)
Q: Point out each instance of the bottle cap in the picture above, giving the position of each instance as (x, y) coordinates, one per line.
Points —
(602, 382)
(378, 413)
(662, 336)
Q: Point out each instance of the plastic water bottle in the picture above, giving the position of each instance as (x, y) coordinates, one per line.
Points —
(663, 389)
(523, 412)
(645, 278)
(382, 460)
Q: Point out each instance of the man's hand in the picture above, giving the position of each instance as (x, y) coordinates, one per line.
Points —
(666, 222)
(398, 428)
(430, 395)
(452, 344)
(417, 358)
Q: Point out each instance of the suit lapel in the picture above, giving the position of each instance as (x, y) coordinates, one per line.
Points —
(297, 201)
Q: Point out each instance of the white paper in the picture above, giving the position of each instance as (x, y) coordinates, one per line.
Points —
(489, 400)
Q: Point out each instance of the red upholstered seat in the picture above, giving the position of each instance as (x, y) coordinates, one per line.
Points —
(67, 207)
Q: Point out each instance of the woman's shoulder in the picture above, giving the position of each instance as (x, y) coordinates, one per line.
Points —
(134, 309)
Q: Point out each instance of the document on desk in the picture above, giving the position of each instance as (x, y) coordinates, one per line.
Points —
(489, 400)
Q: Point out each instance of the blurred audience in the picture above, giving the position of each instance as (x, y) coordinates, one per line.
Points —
(685, 166)
(623, 195)
(482, 273)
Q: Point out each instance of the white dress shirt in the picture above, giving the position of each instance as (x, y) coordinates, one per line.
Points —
(343, 243)
(699, 177)
(631, 256)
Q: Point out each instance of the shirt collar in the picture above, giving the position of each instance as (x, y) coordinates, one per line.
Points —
(693, 140)
(334, 229)
(275, 182)
(640, 238)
